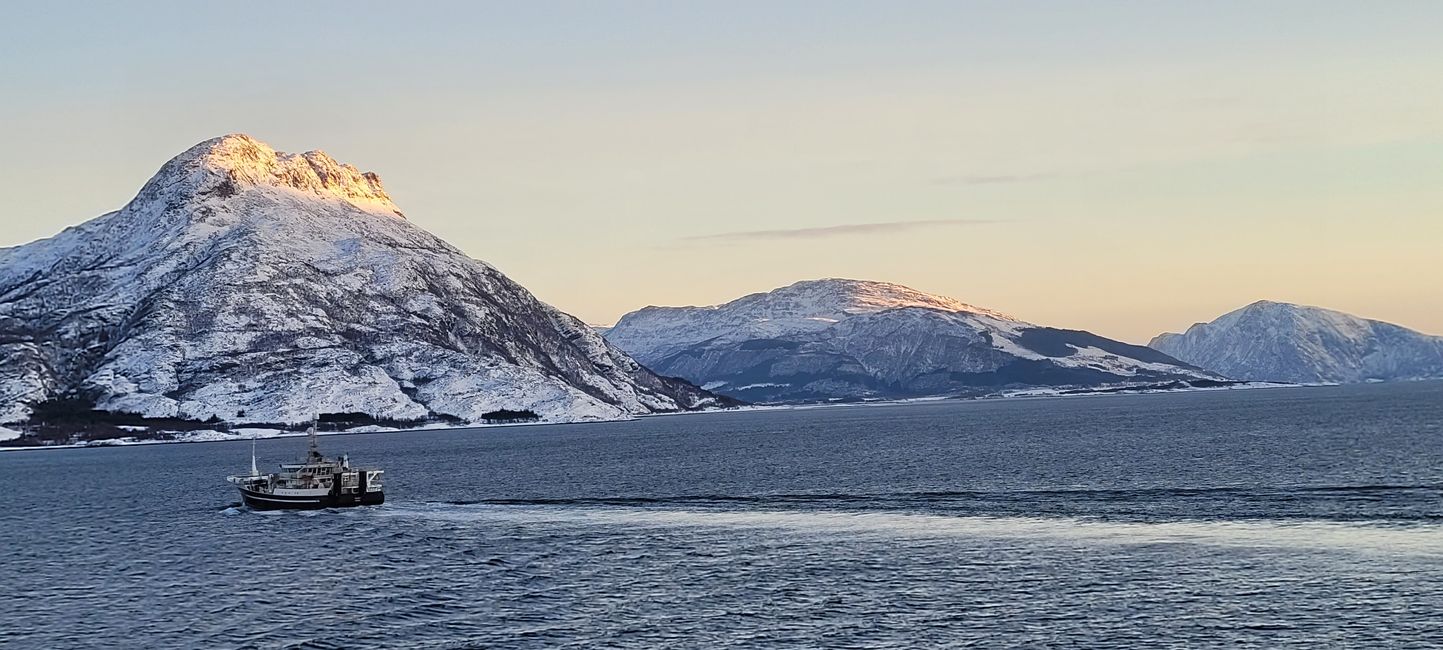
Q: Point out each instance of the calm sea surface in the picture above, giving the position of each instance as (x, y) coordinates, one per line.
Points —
(1307, 517)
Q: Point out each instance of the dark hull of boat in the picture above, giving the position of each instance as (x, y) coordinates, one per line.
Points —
(263, 501)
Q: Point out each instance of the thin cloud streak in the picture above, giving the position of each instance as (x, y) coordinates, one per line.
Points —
(888, 227)
(991, 179)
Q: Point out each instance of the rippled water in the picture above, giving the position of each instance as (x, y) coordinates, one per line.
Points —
(1270, 518)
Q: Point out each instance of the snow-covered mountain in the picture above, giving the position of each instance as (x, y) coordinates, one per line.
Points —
(255, 286)
(1276, 341)
(836, 338)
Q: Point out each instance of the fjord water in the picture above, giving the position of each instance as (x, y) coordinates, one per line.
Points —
(1299, 517)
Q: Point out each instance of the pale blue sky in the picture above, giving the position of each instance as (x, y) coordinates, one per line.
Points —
(1126, 167)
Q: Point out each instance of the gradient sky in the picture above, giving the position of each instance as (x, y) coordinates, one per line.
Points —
(1123, 167)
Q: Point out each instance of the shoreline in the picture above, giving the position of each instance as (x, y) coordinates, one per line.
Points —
(240, 435)
(205, 436)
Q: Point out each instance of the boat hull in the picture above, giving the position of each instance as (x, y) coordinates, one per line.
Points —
(264, 501)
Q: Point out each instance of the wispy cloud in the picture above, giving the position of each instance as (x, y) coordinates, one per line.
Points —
(990, 179)
(887, 227)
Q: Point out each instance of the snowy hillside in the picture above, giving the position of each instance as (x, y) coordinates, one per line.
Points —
(838, 338)
(1274, 341)
(254, 286)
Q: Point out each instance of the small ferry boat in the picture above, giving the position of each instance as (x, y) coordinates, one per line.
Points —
(319, 482)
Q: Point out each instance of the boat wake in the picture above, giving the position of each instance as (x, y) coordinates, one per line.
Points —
(1376, 504)
(1074, 494)
(1415, 539)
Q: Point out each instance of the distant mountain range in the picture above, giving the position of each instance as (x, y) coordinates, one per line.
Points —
(1275, 341)
(837, 338)
(245, 285)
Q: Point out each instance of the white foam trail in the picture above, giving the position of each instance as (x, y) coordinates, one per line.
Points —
(1421, 539)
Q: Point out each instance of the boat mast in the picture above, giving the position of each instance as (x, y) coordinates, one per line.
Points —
(254, 470)
(315, 448)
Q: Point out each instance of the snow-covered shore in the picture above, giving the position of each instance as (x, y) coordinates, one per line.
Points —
(244, 433)
(248, 433)
(1143, 389)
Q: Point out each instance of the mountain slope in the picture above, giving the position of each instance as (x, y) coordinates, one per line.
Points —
(837, 338)
(254, 286)
(1274, 341)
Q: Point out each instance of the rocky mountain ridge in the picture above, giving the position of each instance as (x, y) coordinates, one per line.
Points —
(247, 285)
(855, 339)
(1277, 341)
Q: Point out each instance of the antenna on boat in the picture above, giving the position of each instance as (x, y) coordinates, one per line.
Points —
(315, 448)
(254, 470)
